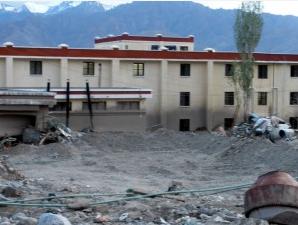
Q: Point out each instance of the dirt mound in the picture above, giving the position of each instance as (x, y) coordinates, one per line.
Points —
(261, 155)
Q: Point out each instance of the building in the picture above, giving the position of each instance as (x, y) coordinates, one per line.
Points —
(190, 90)
(132, 42)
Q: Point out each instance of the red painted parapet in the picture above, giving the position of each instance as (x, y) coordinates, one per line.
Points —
(273, 197)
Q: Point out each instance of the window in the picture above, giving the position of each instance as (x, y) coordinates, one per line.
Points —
(126, 47)
(88, 68)
(294, 122)
(293, 98)
(262, 98)
(229, 70)
(36, 67)
(154, 47)
(138, 69)
(184, 124)
(128, 105)
(185, 70)
(294, 71)
(183, 48)
(61, 106)
(184, 98)
(262, 72)
(171, 47)
(228, 123)
(96, 106)
(229, 98)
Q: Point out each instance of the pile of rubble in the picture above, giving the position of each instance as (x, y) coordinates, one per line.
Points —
(56, 132)
(273, 128)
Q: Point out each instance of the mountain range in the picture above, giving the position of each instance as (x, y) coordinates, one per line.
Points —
(77, 23)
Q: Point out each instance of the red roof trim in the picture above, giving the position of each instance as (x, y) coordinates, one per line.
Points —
(144, 38)
(103, 92)
(97, 53)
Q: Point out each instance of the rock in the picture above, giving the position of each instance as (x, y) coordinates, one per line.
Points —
(5, 223)
(102, 219)
(53, 219)
(31, 136)
(3, 198)
(79, 204)
(11, 192)
(27, 221)
(175, 186)
(123, 217)
(250, 221)
(188, 221)
(17, 216)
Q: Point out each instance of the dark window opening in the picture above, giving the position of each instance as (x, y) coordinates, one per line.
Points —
(128, 105)
(184, 98)
(262, 98)
(96, 106)
(88, 68)
(228, 123)
(185, 70)
(36, 67)
(294, 122)
(138, 69)
(61, 106)
(154, 47)
(229, 98)
(229, 70)
(294, 71)
(171, 47)
(293, 98)
(262, 71)
(183, 48)
(184, 125)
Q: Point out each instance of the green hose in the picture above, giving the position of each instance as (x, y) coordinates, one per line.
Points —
(205, 191)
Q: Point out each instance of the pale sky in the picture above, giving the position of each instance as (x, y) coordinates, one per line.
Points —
(281, 7)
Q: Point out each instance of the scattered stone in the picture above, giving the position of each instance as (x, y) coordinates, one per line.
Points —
(11, 192)
(53, 219)
(27, 221)
(251, 221)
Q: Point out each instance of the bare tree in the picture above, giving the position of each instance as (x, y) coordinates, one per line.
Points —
(247, 32)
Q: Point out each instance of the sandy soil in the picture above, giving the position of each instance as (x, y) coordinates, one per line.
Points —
(112, 162)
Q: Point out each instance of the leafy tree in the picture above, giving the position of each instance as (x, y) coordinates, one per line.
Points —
(247, 33)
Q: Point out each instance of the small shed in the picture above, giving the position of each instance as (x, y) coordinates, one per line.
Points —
(22, 108)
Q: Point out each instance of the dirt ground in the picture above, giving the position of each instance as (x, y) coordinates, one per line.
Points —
(112, 162)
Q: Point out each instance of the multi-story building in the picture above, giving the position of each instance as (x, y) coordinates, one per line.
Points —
(190, 89)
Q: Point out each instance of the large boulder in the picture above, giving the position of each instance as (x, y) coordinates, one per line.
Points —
(53, 219)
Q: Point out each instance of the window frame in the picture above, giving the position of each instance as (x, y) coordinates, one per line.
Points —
(294, 99)
(35, 67)
(184, 99)
(262, 72)
(228, 69)
(85, 108)
(262, 98)
(184, 48)
(130, 104)
(88, 71)
(185, 70)
(188, 124)
(138, 69)
(294, 71)
(228, 98)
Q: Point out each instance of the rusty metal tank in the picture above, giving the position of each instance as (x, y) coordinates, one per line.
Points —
(273, 197)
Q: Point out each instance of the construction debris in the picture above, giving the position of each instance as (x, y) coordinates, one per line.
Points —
(273, 128)
(274, 198)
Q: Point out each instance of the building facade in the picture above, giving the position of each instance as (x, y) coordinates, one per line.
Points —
(190, 90)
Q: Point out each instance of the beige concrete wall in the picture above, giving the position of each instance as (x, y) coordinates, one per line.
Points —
(151, 80)
(2, 72)
(14, 124)
(196, 85)
(23, 78)
(106, 121)
(142, 45)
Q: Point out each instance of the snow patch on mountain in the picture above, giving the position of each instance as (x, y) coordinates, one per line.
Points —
(35, 7)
